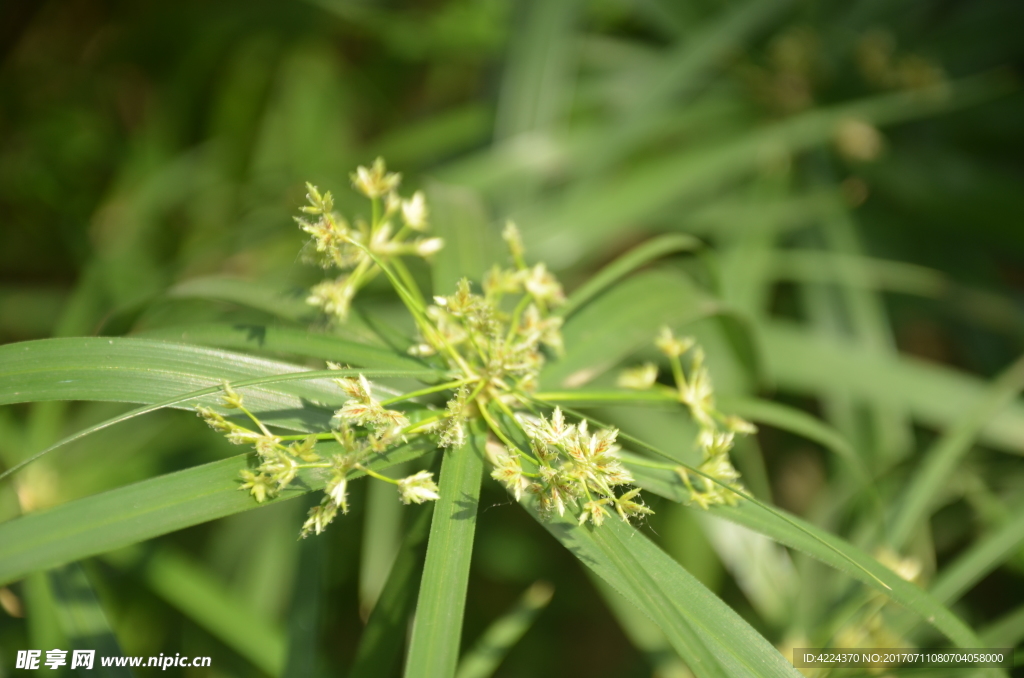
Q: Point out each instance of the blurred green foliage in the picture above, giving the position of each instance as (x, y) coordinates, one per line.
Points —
(855, 167)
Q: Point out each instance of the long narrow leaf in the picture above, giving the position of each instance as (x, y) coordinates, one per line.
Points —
(459, 216)
(840, 554)
(626, 264)
(285, 340)
(195, 592)
(437, 629)
(44, 626)
(942, 458)
(380, 644)
(639, 306)
(796, 360)
(147, 371)
(981, 558)
(131, 514)
(604, 210)
(487, 653)
(191, 397)
(702, 628)
(1007, 631)
(641, 631)
(381, 542)
(800, 423)
(819, 544)
(306, 609)
(82, 618)
(285, 303)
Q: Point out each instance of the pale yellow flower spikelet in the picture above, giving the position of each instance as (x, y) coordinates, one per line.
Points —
(716, 480)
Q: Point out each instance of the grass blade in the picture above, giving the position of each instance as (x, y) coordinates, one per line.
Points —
(796, 421)
(819, 544)
(289, 304)
(984, 556)
(147, 371)
(868, 323)
(679, 75)
(284, 340)
(382, 539)
(538, 76)
(470, 242)
(195, 592)
(847, 558)
(1007, 631)
(706, 632)
(380, 644)
(798, 361)
(437, 628)
(626, 264)
(486, 655)
(181, 400)
(641, 631)
(603, 210)
(640, 306)
(607, 397)
(82, 618)
(306, 609)
(110, 520)
(941, 459)
(44, 627)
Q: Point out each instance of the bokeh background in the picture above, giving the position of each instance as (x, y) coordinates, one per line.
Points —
(855, 168)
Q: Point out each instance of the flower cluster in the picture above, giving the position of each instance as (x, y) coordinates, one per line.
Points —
(364, 428)
(718, 477)
(495, 335)
(357, 248)
(492, 345)
(569, 467)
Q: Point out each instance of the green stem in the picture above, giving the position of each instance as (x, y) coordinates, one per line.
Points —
(413, 428)
(417, 310)
(508, 411)
(640, 461)
(407, 279)
(476, 391)
(303, 436)
(373, 474)
(667, 395)
(428, 391)
(513, 326)
(404, 294)
(493, 425)
(359, 275)
(677, 374)
(255, 420)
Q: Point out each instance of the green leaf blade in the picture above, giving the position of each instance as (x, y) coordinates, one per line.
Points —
(285, 340)
(137, 512)
(708, 634)
(437, 629)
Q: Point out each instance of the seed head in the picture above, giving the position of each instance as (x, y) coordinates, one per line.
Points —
(639, 378)
(418, 488)
(375, 181)
(672, 346)
(415, 211)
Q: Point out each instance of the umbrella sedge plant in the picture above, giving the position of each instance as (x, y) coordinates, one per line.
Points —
(478, 351)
